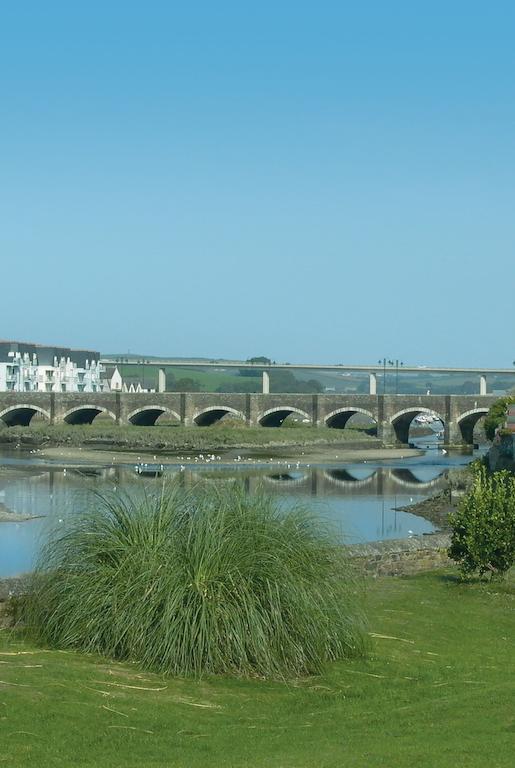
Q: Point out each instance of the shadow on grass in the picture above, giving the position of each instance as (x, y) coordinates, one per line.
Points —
(499, 585)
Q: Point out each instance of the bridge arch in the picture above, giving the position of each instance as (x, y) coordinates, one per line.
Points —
(338, 418)
(147, 415)
(21, 415)
(286, 478)
(274, 417)
(467, 422)
(85, 414)
(401, 421)
(214, 413)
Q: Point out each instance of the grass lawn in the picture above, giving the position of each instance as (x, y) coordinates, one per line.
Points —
(437, 690)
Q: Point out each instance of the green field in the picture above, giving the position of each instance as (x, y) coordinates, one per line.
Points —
(208, 380)
(437, 690)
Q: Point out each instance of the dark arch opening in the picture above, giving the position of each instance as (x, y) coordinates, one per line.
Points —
(286, 477)
(21, 417)
(353, 419)
(83, 416)
(471, 428)
(207, 418)
(277, 418)
(407, 476)
(148, 417)
(343, 475)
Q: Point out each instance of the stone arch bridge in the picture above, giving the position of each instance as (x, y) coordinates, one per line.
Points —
(392, 414)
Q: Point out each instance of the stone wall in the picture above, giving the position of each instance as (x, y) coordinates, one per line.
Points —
(502, 454)
(402, 557)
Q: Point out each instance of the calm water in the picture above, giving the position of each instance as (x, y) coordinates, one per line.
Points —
(360, 498)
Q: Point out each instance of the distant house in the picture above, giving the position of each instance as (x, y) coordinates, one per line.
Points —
(113, 379)
(24, 373)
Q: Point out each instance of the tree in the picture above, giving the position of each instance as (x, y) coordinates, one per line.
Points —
(483, 526)
(260, 360)
(185, 385)
(285, 381)
(497, 414)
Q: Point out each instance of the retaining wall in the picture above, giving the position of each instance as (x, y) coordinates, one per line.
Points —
(403, 557)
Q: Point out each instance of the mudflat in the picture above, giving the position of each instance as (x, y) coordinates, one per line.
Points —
(312, 455)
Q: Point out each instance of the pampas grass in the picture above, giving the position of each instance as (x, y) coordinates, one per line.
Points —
(209, 580)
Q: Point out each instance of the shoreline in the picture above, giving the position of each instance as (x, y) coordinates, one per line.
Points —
(309, 455)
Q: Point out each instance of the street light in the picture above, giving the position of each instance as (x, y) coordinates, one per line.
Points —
(383, 363)
(393, 363)
(397, 364)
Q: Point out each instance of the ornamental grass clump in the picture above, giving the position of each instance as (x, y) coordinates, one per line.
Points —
(204, 581)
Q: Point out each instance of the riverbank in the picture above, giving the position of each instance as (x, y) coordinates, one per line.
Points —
(272, 454)
(6, 516)
(189, 445)
(436, 508)
(174, 438)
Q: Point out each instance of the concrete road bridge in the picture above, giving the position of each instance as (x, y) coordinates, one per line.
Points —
(392, 414)
(376, 373)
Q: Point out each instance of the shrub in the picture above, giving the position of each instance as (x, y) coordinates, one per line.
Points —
(205, 581)
(497, 414)
(483, 526)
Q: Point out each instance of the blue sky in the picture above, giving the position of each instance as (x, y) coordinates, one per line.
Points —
(325, 181)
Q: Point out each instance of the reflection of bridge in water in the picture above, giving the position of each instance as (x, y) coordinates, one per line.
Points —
(357, 482)
(24, 492)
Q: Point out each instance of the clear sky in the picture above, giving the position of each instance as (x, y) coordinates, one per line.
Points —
(329, 181)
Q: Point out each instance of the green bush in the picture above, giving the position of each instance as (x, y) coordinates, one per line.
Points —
(206, 581)
(483, 526)
(497, 414)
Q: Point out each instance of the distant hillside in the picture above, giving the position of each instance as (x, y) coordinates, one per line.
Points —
(134, 356)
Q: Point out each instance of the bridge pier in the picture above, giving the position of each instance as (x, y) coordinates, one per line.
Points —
(482, 385)
(452, 434)
(372, 384)
(386, 433)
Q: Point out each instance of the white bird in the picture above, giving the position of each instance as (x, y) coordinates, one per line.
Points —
(443, 450)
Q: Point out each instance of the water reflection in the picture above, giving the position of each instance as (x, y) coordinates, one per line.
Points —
(360, 499)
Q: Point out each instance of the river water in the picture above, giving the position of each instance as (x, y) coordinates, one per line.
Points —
(360, 499)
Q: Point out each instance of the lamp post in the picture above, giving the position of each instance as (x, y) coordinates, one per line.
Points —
(383, 363)
(393, 363)
(397, 364)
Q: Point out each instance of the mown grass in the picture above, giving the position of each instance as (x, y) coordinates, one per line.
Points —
(437, 691)
(173, 438)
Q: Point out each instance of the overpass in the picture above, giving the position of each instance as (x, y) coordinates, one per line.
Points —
(392, 414)
(381, 370)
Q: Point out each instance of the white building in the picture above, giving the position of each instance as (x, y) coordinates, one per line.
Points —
(23, 374)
